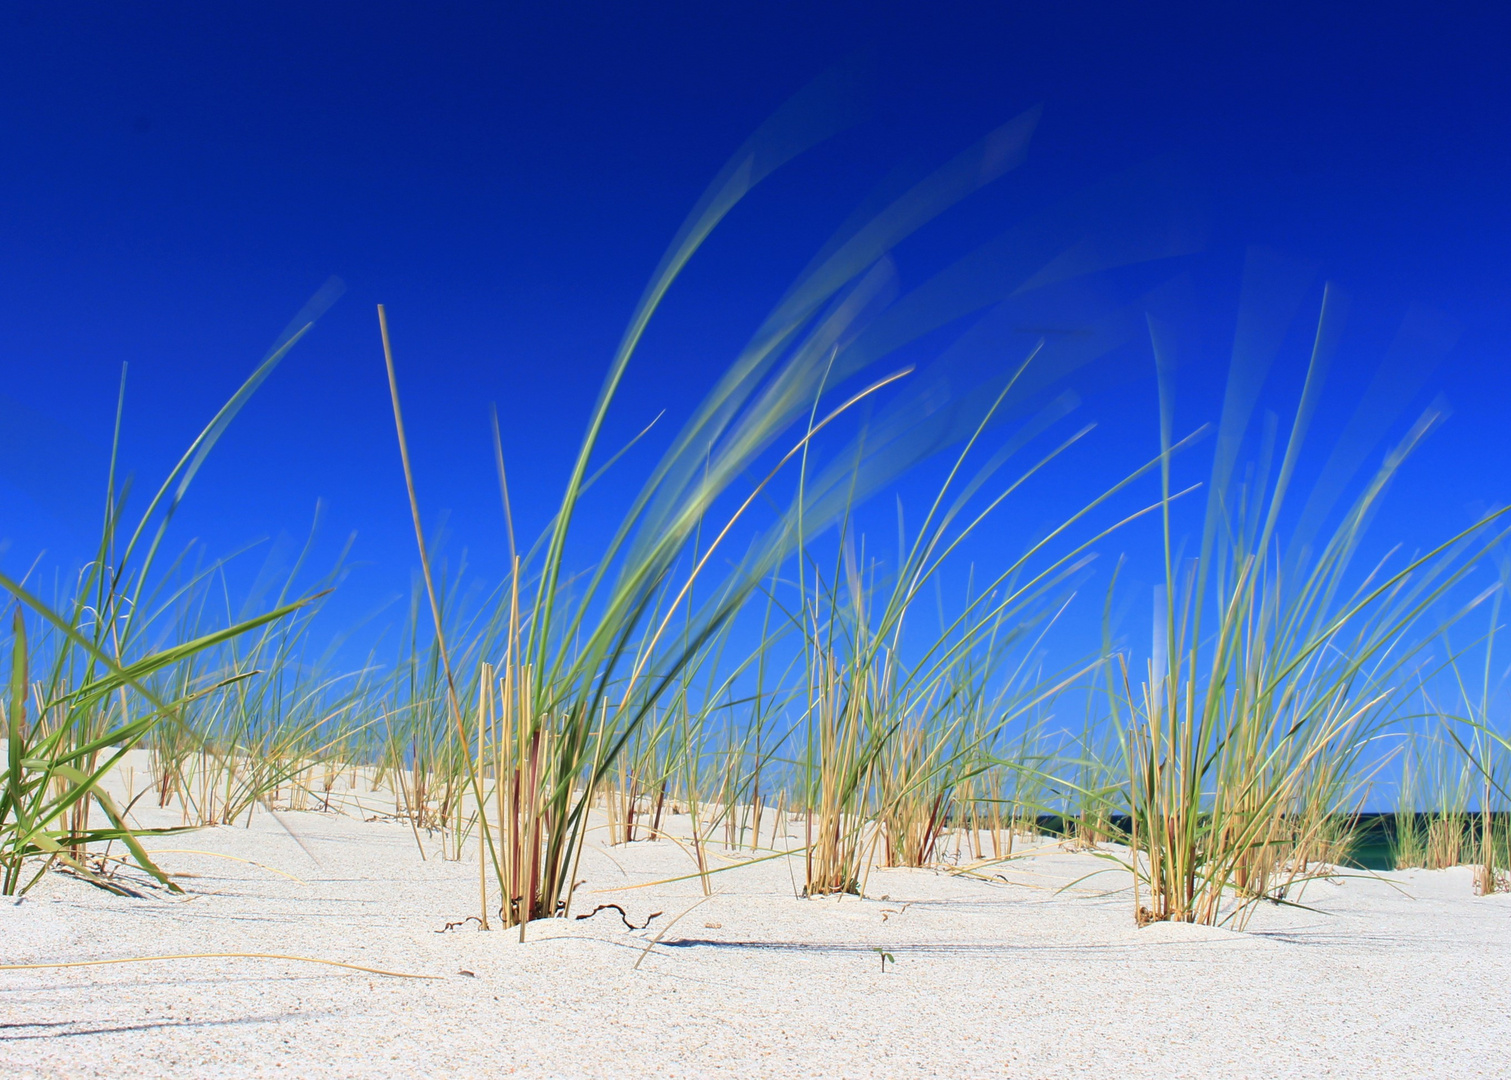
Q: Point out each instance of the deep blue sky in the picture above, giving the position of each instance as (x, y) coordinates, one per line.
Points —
(175, 181)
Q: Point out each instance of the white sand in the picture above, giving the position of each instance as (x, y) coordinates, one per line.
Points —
(1403, 976)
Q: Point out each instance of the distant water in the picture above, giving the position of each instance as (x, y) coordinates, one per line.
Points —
(1374, 836)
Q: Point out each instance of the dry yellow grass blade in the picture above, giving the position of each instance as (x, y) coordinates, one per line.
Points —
(663, 932)
(696, 874)
(233, 858)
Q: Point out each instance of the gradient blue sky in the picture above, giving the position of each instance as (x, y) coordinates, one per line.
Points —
(176, 179)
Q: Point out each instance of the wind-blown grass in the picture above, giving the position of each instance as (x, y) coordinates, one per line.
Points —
(1244, 740)
(105, 682)
(585, 670)
(737, 651)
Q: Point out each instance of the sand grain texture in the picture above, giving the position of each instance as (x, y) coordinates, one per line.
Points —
(1405, 977)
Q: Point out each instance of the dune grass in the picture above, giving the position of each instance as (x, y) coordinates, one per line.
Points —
(735, 649)
(105, 677)
(1244, 739)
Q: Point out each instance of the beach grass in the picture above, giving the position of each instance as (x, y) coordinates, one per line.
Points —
(736, 648)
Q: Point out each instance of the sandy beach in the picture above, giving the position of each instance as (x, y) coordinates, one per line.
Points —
(755, 540)
(1026, 967)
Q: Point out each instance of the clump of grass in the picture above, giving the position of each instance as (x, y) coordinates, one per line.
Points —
(242, 744)
(1432, 816)
(915, 810)
(584, 670)
(1435, 827)
(863, 696)
(107, 681)
(1480, 748)
(1244, 741)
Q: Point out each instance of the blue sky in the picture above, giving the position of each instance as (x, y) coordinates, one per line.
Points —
(177, 180)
